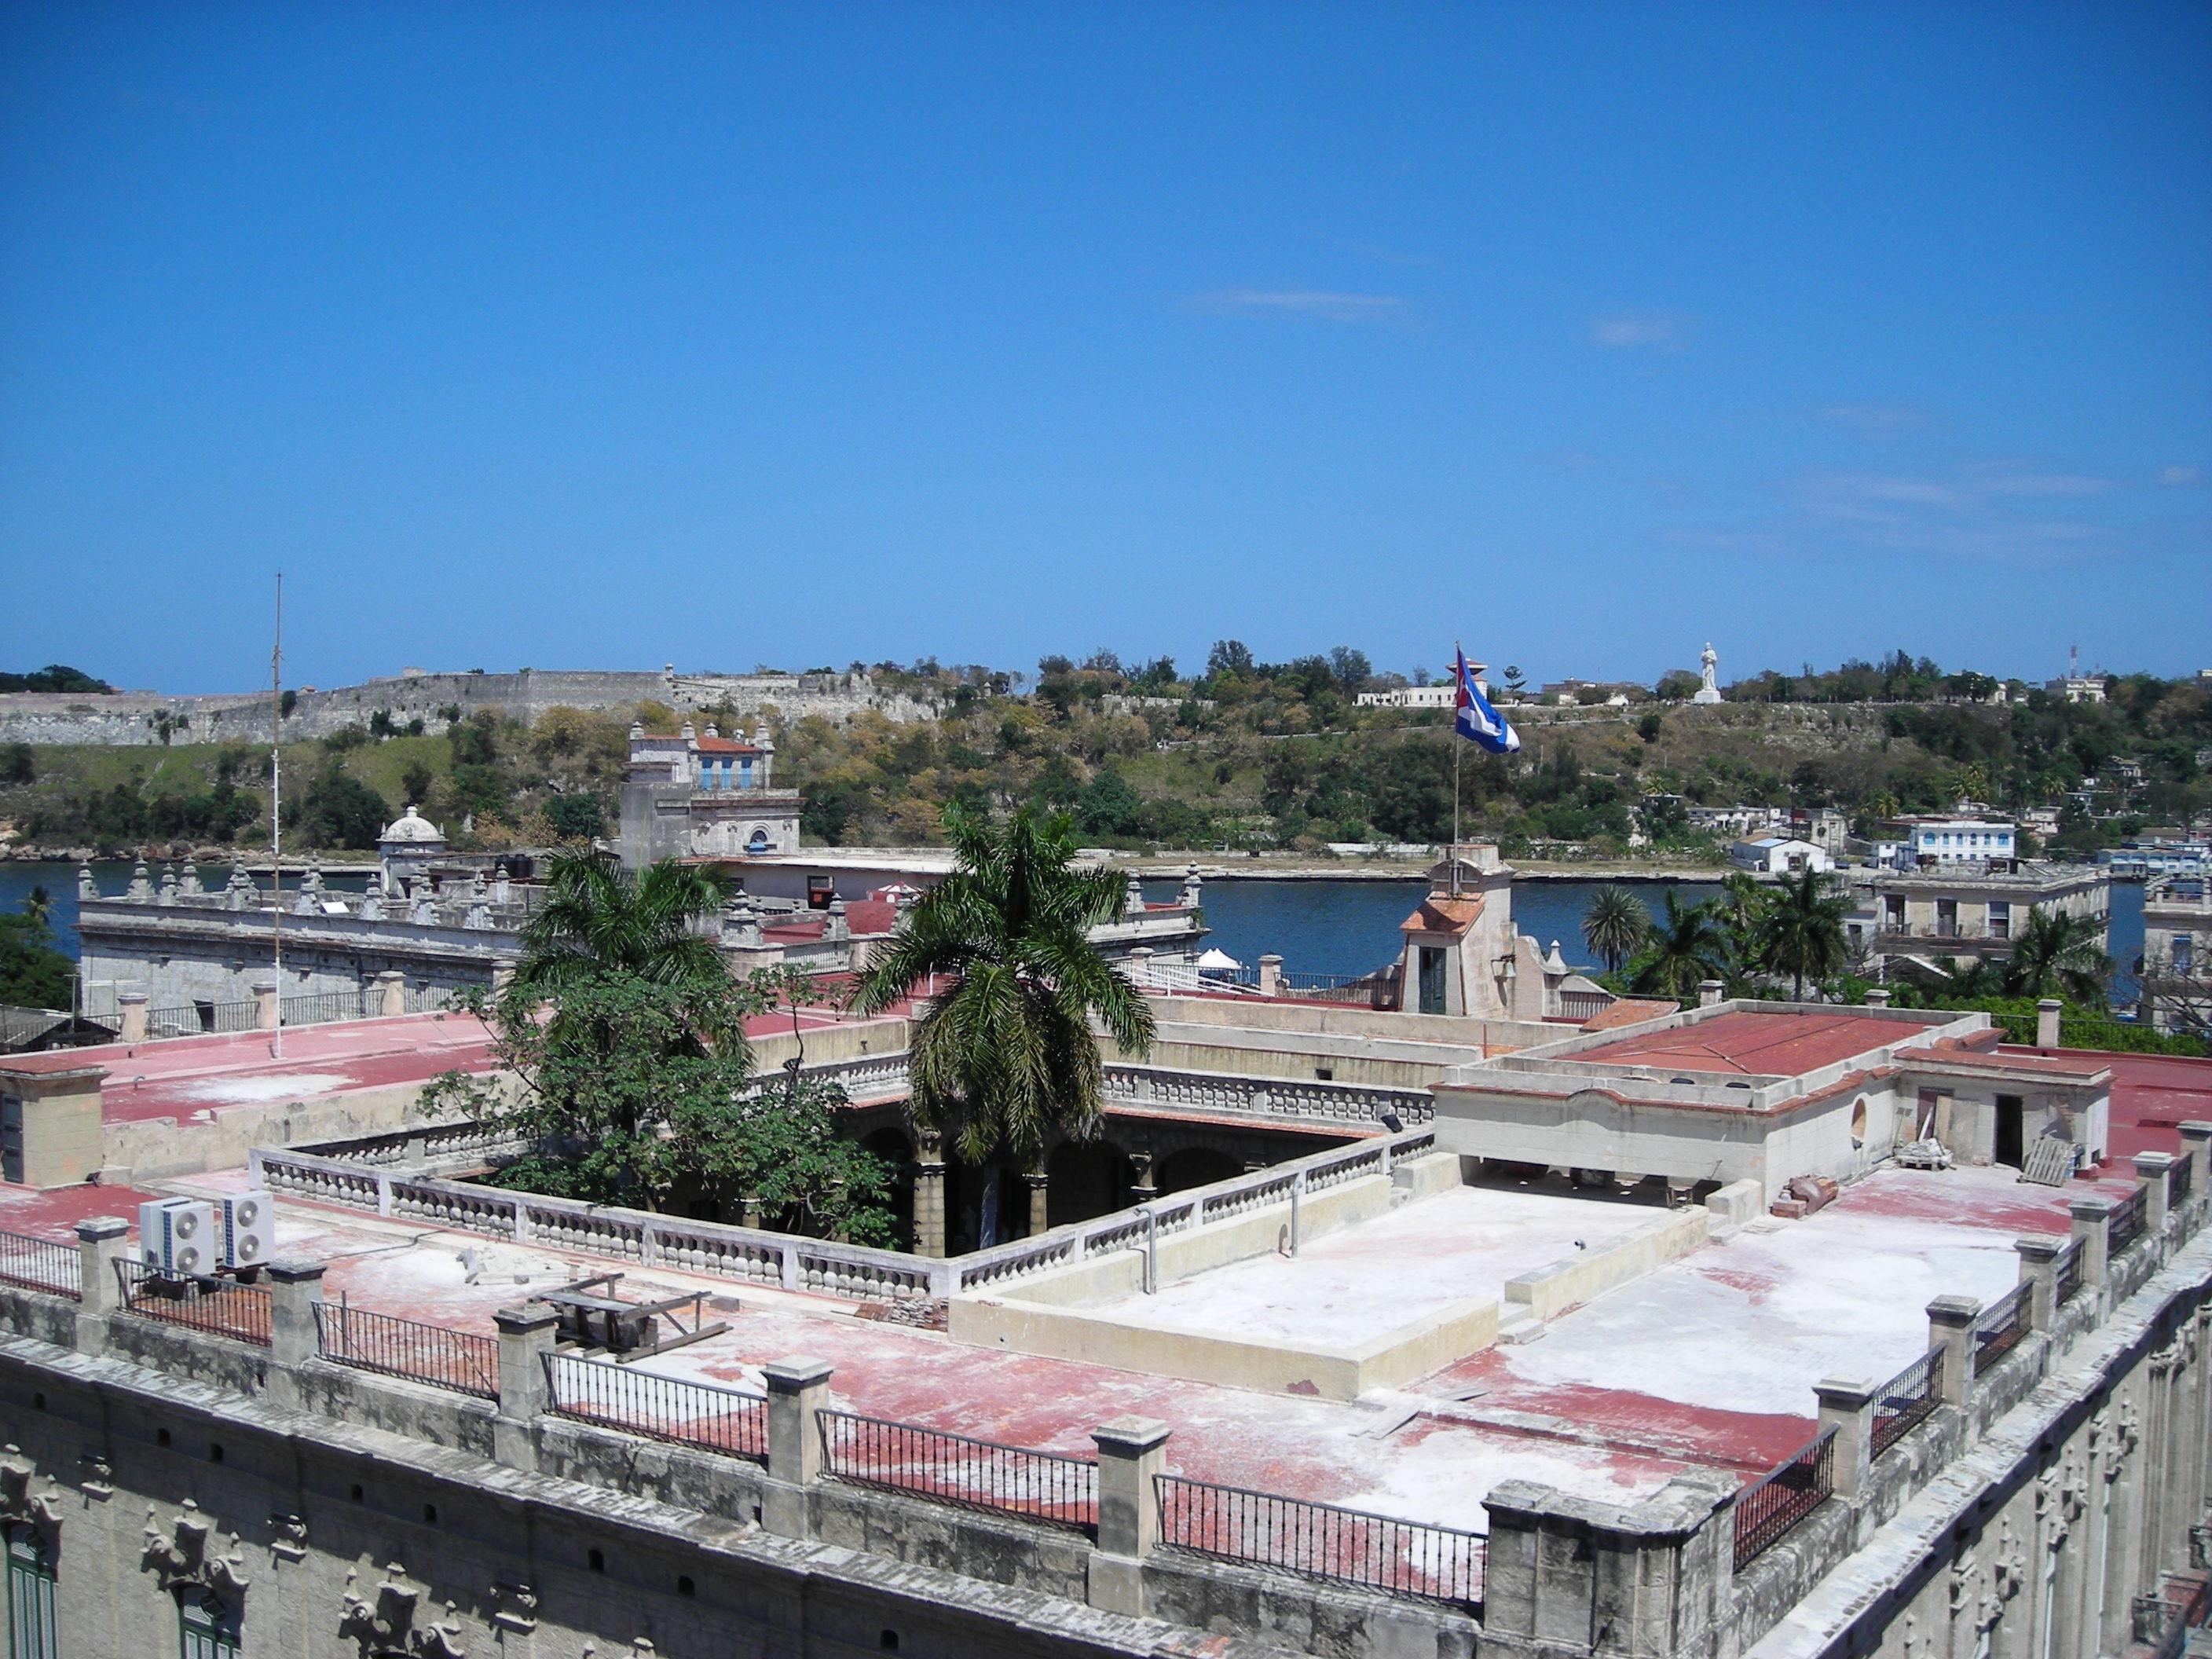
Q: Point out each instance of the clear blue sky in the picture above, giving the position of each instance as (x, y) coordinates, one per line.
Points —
(564, 335)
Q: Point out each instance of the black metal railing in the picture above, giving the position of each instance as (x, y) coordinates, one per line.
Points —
(1768, 1508)
(467, 1361)
(1320, 1541)
(2182, 1617)
(2126, 1222)
(951, 1468)
(2068, 1275)
(1907, 1401)
(327, 1007)
(201, 1018)
(2002, 1326)
(2180, 1179)
(670, 1408)
(219, 1307)
(40, 1264)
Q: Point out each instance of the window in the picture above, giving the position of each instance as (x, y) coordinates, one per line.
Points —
(206, 1628)
(2000, 918)
(2185, 955)
(30, 1596)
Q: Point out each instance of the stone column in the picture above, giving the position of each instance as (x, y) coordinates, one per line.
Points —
(2039, 1269)
(264, 1004)
(1951, 1327)
(1271, 975)
(2150, 1174)
(1710, 992)
(929, 1193)
(503, 973)
(132, 1022)
(295, 1292)
(2196, 1146)
(1847, 1407)
(2092, 1232)
(525, 1337)
(2046, 1022)
(798, 1389)
(390, 993)
(101, 1241)
(1039, 1184)
(1140, 965)
(1131, 1451)
(1879, 997)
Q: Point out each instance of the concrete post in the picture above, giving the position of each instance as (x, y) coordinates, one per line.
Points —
(2196, 1146)
(131, 1025)
(1847, 1407)
(101, 1242)
(929, 1193)
(1132, 1451)
(1271, 975)
(503, 973)
(1879, 997)
(59, 1098)
(1040, 1210)
(2092, 1232)
(295, 1293)
(2150, 1174)
(1140, 965)
(2039, 1269)
(798, 1389)
(264, 1004)
(1710, 992)
(525, 1337)
(390, 993)
(2046, 1022)
(1951, 1321)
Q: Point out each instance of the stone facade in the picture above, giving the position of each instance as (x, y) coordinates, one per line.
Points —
(696, 793)
(1966, 909)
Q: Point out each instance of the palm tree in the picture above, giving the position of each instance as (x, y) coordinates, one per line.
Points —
(1971, 979)
(1615, 924)
(2057, 953)
(597, 919)
(38, 904)
(1006, 1053)
(1739, 908)
(1684, 947)
(1802, 933)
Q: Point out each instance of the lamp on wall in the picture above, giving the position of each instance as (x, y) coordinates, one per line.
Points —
(1506, 969)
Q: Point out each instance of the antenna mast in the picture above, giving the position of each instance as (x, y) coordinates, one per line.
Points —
(276, 823)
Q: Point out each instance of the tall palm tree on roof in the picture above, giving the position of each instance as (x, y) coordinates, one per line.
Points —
(1615, 924)
(1004, 1054)
(2057, 953)
(596, 917)
(1801, 931)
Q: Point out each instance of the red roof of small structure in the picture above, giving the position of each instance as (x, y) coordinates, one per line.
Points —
(1755, 1042)
(723, 746)
(1443, 916)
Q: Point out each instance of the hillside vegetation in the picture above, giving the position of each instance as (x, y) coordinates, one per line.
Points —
(1246, 755)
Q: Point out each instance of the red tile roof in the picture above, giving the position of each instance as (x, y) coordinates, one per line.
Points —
(1755, 1043)
(1443, 916)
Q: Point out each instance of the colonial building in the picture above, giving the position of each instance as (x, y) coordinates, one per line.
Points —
(1965, 908)
(2176, 965)
(694, 794)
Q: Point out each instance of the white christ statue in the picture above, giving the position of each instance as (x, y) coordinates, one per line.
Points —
(1707, 663)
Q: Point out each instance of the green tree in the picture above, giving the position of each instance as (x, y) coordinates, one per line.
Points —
(1615, 924)
(1005, 1053)
(575, 817)
(1684, 948)
(2058, 953)
(1802, 933)
(597, 920)
(339, 809)
(32, 974)
(18, 764)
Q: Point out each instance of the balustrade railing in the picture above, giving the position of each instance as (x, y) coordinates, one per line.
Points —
(1321, 1541)
(1283, 1097)
(670, 1408)
(1769, 1508)
(953, 1469)
(466, 1362)
(1907, 1401)
(217, 1307)
(2002, 1324)
(40, 1264)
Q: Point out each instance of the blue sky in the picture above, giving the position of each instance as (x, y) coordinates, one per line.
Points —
(568, 335)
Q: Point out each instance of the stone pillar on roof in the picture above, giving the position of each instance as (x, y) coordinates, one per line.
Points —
(764, 740)
(140, 890)
(1132, 896)
(85, 889)
(188, 881)
(169, 893)
(928, 1193)
(60, 1138)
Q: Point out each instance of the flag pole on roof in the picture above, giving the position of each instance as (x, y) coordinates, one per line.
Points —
(1473, 719)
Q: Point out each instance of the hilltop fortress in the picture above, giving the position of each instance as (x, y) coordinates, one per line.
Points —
(141, 717)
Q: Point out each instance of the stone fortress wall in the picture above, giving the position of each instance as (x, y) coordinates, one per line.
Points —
(134, 718)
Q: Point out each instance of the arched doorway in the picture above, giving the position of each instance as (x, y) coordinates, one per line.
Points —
(1087, 1179)
(1194, 1166)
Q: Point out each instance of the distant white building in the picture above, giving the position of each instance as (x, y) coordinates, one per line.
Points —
(1940, 841)
(1415, 697)
(1746, 821)
(1780, 855)
(2077, 688)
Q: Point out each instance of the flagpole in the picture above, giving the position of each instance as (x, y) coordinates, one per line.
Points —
(1451, 737)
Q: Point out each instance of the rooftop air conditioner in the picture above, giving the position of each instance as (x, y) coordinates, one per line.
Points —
(176, 1237)
(245, 1229)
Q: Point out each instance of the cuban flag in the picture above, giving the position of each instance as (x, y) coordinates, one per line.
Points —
(1477, 721)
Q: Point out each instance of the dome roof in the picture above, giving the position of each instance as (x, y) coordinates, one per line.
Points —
(409, 826)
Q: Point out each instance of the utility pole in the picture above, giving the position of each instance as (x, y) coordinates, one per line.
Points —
(276, 823)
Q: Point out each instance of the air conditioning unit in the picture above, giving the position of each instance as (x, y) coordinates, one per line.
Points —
(245, 1229)
(176, 1237)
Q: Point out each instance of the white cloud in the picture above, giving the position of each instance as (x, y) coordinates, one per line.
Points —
(1332, 306)
(2181, 477)
(1626, 330)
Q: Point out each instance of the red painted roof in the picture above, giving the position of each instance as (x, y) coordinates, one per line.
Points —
(1443, 916)
(2151, 1095)
(722, 746)
(1751, 1042)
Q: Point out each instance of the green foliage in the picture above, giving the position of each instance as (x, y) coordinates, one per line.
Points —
(1685, 947)
(1801, 932)
(1615, 924)
(597, 920)
(33, 973)
(1004, 1054)
(53, 677)
(575, 817)
(339, 810)
(18, 764)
